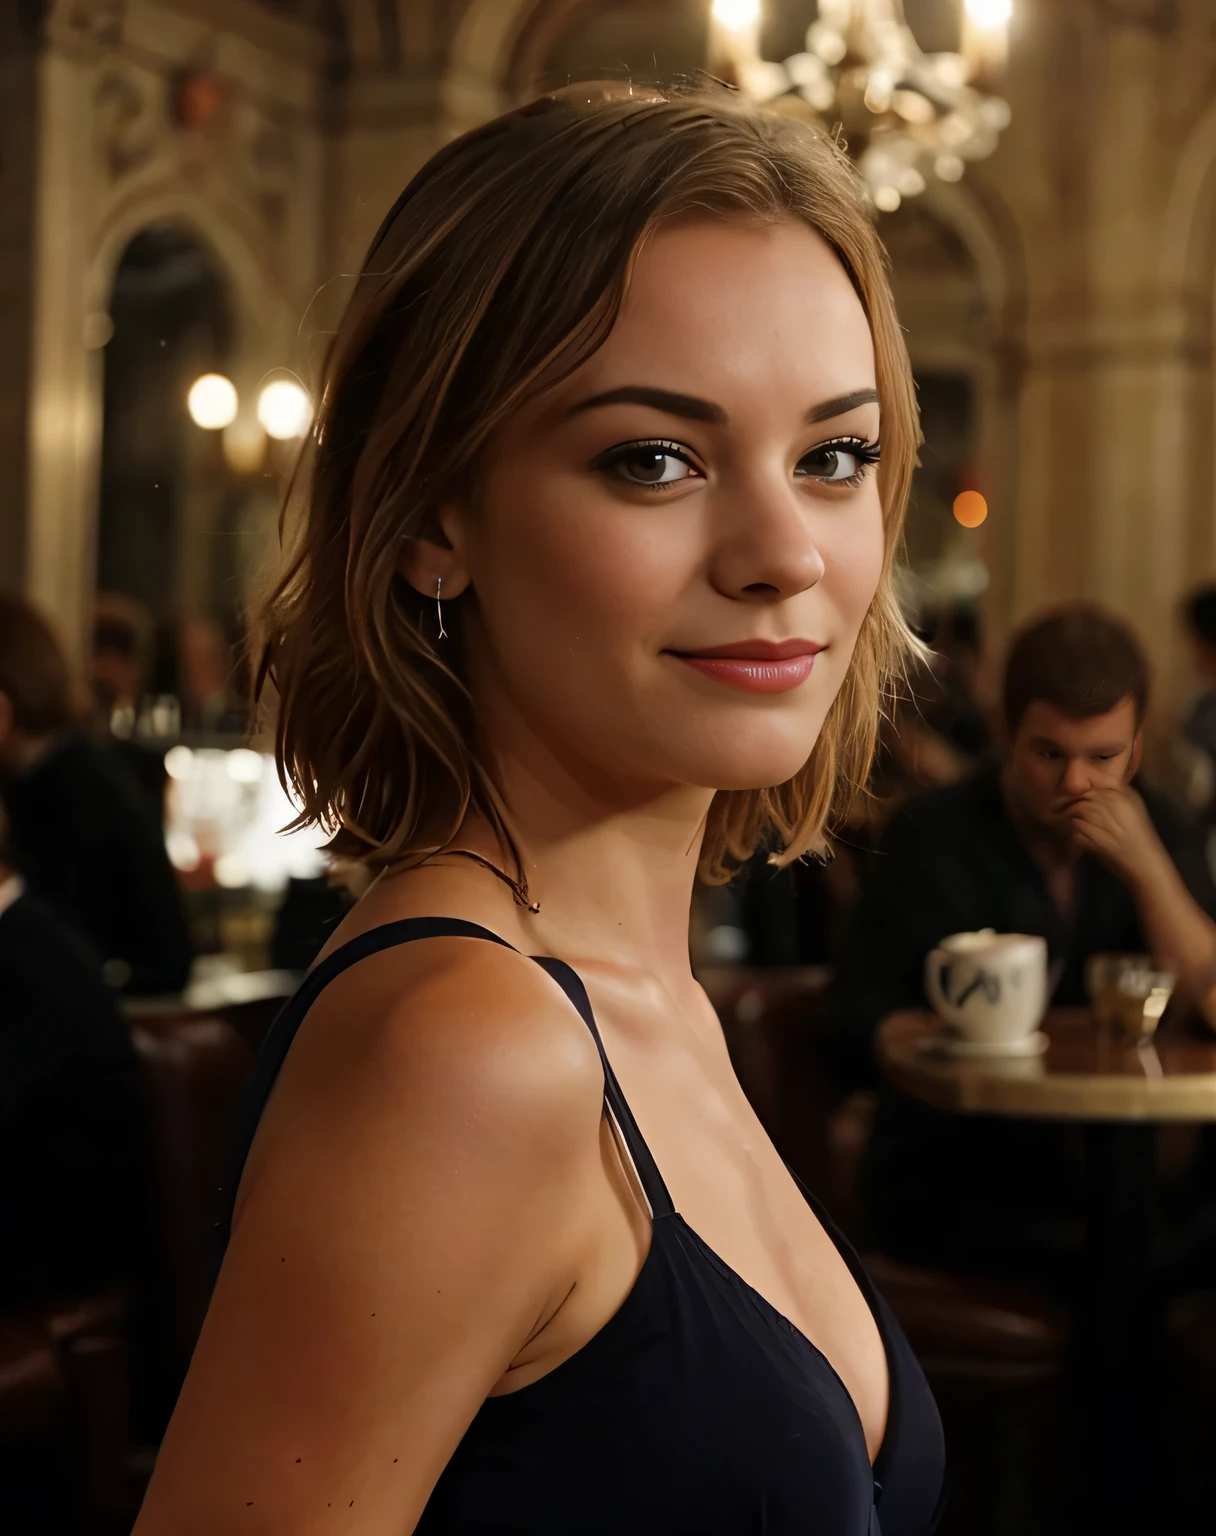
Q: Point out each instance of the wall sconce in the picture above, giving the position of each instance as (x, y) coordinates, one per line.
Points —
(212, 402)
(284, 409)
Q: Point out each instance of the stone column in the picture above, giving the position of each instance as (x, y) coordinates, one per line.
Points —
(1116, 398)
(19, 133)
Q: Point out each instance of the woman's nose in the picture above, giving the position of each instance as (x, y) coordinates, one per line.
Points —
(765, 548)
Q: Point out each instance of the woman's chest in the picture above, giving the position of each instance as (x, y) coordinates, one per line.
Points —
(732, 1189)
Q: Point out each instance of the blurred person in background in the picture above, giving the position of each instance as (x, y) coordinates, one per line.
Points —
(121, 658)
(82, 833)
(953, 701)
(1053, 840)
(204, 679)
(937, 731)
(1199, 728)
(73, 1142)
(119, 668)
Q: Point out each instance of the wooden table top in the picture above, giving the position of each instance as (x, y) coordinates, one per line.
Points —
(1085, 1074)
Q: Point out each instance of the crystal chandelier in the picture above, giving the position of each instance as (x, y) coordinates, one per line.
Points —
(906, 115)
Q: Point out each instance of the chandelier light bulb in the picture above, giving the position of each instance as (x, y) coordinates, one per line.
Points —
(736, 15)
(212, 402)
(284, 409)
(989, 14)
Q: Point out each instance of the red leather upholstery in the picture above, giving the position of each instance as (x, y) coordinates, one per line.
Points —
(32, 1391)
(65, 1382)
(194, 1070)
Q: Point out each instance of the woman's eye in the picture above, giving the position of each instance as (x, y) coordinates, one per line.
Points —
(652, 465)
(841, 463)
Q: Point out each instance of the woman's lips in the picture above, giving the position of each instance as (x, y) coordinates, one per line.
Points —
(755, 666)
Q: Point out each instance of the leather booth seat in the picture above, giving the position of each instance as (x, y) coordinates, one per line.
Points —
(65, 1389)
(194, 1071)
(32, 1388)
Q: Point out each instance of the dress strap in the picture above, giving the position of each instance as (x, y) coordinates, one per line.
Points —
(277, 1042)
(644, 1164)
(282, 1032)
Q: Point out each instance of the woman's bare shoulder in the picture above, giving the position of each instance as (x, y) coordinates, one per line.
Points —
(416, 1206)
(457, 1022)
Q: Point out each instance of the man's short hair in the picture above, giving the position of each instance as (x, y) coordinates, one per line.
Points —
(34, 672)
(1079, 659)
(1199, 613)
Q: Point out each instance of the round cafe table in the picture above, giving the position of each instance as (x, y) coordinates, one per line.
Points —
(1119, 1094)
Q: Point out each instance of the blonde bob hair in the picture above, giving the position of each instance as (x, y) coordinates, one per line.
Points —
(499, 270)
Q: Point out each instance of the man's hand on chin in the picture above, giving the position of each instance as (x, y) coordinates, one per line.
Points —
(1114, 825)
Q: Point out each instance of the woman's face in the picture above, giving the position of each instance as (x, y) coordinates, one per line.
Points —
(671, 553)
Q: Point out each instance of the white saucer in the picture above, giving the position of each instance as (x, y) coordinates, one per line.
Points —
(949, 1045)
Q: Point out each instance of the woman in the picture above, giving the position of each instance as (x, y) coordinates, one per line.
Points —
(591, 589)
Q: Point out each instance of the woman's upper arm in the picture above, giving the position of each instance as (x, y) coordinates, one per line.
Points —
(408, 1215)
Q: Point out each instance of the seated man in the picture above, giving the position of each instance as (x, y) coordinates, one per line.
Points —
(1053, 841)
(82, 833)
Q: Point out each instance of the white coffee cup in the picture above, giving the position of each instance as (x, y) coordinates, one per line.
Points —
(992, 987)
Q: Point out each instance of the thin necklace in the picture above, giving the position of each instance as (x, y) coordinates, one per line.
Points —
(519, 888)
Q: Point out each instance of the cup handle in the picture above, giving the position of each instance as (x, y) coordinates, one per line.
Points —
(936, 962)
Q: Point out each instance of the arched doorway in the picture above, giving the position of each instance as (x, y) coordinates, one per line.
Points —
(174, 518)
(161, 476)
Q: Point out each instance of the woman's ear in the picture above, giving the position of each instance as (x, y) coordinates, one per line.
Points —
(425, 563)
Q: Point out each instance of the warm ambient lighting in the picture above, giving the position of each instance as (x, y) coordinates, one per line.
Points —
(989, 13)
(736, 15)
(212, 401)
(970, 509)
(284, 409)
(179, 762)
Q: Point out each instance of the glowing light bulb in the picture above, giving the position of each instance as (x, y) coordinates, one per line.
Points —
(989, 14)
(212, 401)
(179, 762)
(284, 409)
(736, 15)
(970, 509)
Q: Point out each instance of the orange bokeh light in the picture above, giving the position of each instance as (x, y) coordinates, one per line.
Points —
(970, 509)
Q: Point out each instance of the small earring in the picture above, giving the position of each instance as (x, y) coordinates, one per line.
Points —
(443, 634)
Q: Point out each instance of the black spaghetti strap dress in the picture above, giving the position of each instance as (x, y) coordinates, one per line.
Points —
(697, 1410)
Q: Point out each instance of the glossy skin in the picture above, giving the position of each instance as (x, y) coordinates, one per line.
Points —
(1068, 783)
(434, 1210)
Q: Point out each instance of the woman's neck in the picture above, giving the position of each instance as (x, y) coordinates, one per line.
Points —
(613, 877)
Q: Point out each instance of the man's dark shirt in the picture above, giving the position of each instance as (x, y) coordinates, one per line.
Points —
(73, 1135)
(950, 862)
(90, 846)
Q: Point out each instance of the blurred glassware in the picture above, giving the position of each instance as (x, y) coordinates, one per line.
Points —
(226, 820)
(1129, 994)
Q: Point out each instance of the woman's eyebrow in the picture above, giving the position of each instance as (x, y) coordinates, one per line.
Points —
(693, 409)
(842, 403)
(687, 406)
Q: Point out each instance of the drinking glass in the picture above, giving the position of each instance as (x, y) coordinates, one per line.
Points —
(1129, 994)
